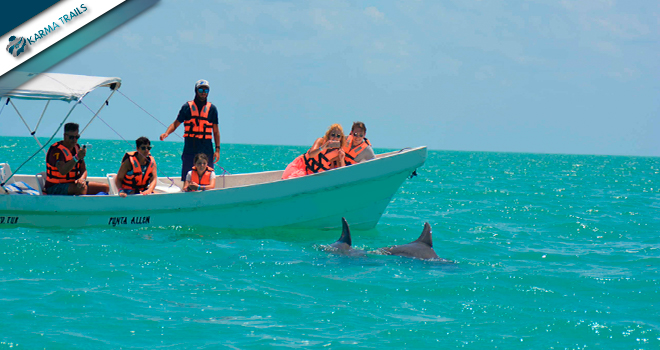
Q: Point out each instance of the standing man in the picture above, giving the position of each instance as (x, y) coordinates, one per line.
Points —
(66, 172)
(199, 117)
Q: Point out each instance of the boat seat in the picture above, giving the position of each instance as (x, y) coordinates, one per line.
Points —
(112, 186)
(5, 173)
(161, 187)
(164, 187)
(41, 182)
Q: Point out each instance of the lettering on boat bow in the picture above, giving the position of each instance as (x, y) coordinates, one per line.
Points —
(123, 220)
(9, 220)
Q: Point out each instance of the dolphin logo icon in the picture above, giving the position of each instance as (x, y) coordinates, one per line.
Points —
(16, 45)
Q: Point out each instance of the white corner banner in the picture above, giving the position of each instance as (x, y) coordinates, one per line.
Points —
(47, 28)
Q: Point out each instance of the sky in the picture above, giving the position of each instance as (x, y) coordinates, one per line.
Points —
(539, 76)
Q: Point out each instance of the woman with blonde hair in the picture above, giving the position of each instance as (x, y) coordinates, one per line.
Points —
(326, 153)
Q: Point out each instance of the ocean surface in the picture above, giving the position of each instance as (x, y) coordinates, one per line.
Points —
(549, 251)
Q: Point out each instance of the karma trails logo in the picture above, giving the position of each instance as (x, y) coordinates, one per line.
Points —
(16, 45)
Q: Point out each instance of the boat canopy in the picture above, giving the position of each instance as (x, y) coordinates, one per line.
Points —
(54, 86)
(48, 87)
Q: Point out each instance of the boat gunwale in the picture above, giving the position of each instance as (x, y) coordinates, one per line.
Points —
(218, 197)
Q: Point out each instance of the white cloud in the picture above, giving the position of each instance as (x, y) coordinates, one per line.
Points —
(374, 13)
(187, 36)
(165, 43)
(484, 73)
(607, 47)
(219, 65)
(447, 65)
(587, 5)
(624, 74)
(320, 19)
(132, 40)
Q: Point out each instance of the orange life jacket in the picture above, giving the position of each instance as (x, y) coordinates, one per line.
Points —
(53, 175)
(198, 126)
(325, 160)
(138, 181)
(206, 177)
(351, 154)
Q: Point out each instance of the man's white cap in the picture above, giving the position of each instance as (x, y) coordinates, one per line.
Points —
(202, 82)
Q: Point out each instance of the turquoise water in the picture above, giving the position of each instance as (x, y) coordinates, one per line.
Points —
(551, 252)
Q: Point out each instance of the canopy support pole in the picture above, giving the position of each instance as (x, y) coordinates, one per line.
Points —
(42, 116)
(28, 127)
(3, 106)
(99, 111)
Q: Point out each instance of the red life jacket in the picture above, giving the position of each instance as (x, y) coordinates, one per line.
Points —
(198, 126)
(325, 160)
(351, 154)
(53, 175)
(206, 177)
(138, 181)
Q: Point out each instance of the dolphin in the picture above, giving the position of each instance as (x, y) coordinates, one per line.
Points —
(422, 248)
(343, 244)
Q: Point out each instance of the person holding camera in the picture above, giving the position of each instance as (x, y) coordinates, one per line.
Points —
(357, 148)
(325, 154)
(66, 171)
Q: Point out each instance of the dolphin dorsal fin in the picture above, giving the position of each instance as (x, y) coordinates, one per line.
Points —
(425, 237)
(345, 233)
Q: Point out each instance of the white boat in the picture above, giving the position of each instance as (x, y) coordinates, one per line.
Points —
(359, 192)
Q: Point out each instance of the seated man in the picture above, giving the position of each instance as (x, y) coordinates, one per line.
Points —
(357, 147)
(66, 172)
(137, 173)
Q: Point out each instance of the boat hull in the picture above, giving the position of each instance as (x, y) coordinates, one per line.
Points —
(360, 193)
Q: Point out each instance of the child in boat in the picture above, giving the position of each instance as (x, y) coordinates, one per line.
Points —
(325, 154)
(137, 174)
(201, 177)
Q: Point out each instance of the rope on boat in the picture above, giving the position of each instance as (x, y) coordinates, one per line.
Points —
(145, 111)
(224, 172)
(414, 173)
(104, 122)
(171, 180)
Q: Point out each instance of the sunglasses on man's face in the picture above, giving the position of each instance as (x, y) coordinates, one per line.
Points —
(144, 148)
(73, 137)
(357, 134)
(203, 91)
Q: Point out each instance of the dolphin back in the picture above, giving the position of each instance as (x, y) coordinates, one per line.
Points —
(344, 242)
(425, 237)
(345, 233)
(421, 248)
